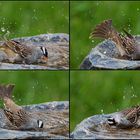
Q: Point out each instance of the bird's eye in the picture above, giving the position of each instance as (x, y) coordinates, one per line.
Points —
(40, 123)
(44, 50)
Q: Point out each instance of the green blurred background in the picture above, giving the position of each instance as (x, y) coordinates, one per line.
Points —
(28, 18)
(97, 92)
(85, 15)
(32, 87)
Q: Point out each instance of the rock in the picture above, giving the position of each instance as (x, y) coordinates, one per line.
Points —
(57, 46)
(8, 66)
(106, 56)
(50, 108)
(97, 127)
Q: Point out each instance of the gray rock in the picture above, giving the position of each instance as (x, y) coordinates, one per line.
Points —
(106, 56)
(97, 127)
(57, 45)
(49, 108)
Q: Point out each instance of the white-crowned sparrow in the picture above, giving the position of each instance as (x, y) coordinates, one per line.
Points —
(126, 118)
(127, 45)
(17, 52)
(18, 117)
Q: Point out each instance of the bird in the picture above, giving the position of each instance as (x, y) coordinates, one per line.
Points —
(18, 117)
(127, 44)
(126, 118)
(21, 53)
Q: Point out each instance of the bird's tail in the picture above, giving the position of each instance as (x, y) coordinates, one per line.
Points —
(6, 91)
(103, 30)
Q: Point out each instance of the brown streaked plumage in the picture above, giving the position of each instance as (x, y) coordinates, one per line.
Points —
(132, 114)
(19, 118)
(126, 118)
(127, 45)
(26, 54)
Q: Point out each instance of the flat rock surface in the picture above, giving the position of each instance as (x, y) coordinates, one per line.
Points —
(97, 127)
(49, 109)
(57, 45)
(106, 56)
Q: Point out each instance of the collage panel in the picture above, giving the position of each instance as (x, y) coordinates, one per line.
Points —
(34, 104)
(35, 35)
(34, 70)
(104, 104)
(103, 35)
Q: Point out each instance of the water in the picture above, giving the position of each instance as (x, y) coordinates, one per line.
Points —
(104, 52)
(3, 29)
(124, 97)
(130, 95)
(102, 111)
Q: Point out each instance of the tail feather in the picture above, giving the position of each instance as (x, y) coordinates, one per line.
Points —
(128, 34)
(103, 30)
(6, 90)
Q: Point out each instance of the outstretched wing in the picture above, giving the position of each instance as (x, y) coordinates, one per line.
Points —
(129, 43)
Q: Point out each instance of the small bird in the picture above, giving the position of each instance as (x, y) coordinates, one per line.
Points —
(17, 116)
(18, 52)
(127, 45)
(126, 118)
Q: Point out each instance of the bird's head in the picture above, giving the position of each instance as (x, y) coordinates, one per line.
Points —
(44, 51)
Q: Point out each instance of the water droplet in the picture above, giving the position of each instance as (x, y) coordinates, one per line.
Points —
(77, 58)
(48, 38)
(3, 29)
(138, 9)
(104, 52)
(97, 3)
(92, 41)
(6, 35)
(102, 111)
(129, 30)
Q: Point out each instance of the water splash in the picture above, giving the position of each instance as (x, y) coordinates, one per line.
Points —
(13, 96)
(98, 3)
(124, 97)
(138, 9)
(104, 52)
(34, 10)
(3, 29)
(102, 111)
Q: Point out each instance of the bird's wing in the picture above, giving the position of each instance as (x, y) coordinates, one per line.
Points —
(131, 114)
(104, 30)
(17, 117)
(19, 48)
(129, 44)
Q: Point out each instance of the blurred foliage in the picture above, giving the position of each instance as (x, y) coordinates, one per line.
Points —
(32, 87)
(97, 92)
(85, 15)
(28, 18)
